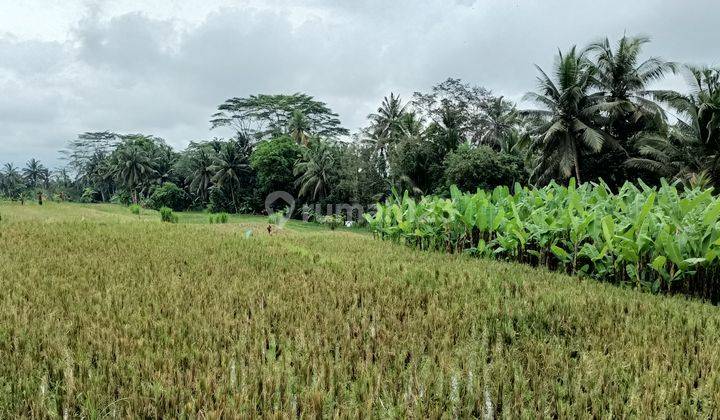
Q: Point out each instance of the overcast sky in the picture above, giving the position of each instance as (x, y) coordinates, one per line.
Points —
(70, 66)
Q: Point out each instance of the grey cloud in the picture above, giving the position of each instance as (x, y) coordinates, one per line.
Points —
(30, 58)
(134, 73)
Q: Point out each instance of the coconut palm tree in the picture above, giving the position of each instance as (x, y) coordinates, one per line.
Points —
(314, 169)
(701, 107)
(163, 158)
(45, 178)
(62, 180)
(692, 145)
(570, 125)
(201, 165)
(672, 155)
(97, 173)
(386, 125)
(11, 181)
(299, 128)
(449, 131)
(498, 119)
(132, 167)
(624, 80)
(229, 168)
(33, 172)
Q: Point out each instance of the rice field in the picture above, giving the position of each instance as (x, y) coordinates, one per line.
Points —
(108, 314)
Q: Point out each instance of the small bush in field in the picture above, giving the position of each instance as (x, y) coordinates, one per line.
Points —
(333, 221)
(167, 215)
(218, 218)
(277, 218)
(135, 209)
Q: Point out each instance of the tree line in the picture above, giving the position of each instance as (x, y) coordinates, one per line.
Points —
(596, 116)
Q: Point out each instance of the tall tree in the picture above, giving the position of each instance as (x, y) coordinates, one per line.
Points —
(624, 81)
(692, 145)
(263, 116)
(45, 178)
(386, 122)
(314, 169)
(468, 103)
(132, 167)
(569, 110)
(33, 172)
(273, 162)
(83, 152)
(12, 181)
(200, 179)
(62, 179)
(499, 119)
(676, 154)
(230, 166)
(448, 132)
(299, 128)
(387, 127)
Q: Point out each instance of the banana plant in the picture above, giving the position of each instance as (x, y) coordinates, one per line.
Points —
(658, 239)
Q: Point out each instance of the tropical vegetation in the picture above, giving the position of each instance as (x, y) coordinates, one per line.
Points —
(651, 239)
(599, 114)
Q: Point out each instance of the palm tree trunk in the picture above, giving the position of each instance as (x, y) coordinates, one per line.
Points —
(576, 159)
(232, 194)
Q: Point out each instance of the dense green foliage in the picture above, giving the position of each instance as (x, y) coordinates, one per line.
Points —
(598, 117)
(198, 320)
(482, 167)
(655, 239)
(273, 162)
(167, 215)
(168, 195)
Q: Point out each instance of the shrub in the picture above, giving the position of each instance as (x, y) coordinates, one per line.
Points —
(277, 218)
(135, 209)
(121, 197)
(169, 195)
(218, 218)
(167, 215)
(88, 195)
(482, 167)
(333, 221)
(221, 199)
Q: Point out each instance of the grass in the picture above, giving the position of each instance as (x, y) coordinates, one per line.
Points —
(108, 313)
(51, 212)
